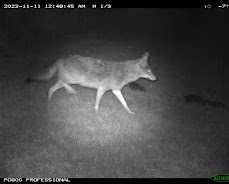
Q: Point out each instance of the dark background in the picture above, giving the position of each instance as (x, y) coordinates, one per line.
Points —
(65, 138)
(196, 37)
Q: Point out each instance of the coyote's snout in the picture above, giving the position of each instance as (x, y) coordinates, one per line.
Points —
(97, 74)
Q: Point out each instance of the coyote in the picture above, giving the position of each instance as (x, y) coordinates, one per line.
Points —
(96, 73)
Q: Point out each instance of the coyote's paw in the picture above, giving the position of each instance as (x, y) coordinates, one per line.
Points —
(96, 109)
(131, 112)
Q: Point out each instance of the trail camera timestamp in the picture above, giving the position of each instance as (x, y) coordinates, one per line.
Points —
(37, 6)
(55, 6)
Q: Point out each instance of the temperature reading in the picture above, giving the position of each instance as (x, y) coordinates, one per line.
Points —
(207, 6)
(224, 6)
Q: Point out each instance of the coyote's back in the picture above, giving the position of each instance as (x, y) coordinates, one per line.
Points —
(97, 74)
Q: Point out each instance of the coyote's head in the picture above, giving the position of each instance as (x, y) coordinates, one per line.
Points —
(144, 70)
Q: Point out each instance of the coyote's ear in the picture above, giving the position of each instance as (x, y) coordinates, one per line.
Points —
(144, 59)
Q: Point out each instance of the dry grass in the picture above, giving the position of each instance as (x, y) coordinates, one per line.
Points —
(66, 138)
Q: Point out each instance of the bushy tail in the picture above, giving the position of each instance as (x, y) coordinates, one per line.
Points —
(46, 74)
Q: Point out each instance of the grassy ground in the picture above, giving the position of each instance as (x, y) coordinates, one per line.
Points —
(65, 138)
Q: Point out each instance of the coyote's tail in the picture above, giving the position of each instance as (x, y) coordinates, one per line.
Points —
(46, 74)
